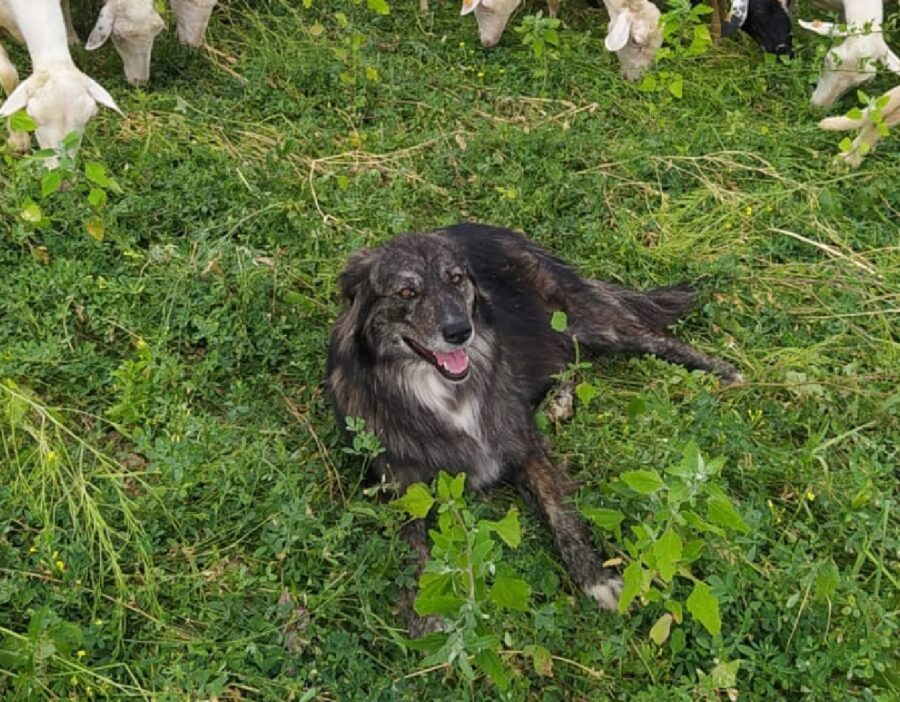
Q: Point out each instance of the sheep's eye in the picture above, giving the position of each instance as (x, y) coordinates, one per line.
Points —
(456, 278)
(407, 293)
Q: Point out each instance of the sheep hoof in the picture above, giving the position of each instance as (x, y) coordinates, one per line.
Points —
(19, 142)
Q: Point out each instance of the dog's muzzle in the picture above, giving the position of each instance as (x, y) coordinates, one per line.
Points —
(453, 365)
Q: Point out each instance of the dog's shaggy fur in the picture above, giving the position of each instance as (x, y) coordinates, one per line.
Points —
(446, 348)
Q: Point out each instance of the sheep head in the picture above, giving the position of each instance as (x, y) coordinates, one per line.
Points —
(635, 35)
(852, 62)
(191, 17)
(60, 99)
(133, 25)
(492, 16)
(767, 21)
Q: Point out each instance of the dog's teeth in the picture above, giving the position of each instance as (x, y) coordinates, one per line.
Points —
(454, 362)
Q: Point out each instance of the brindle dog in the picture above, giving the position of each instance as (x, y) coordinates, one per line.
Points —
(445, 349)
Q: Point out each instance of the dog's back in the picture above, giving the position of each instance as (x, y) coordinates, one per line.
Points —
(525, 285)
(522, 285)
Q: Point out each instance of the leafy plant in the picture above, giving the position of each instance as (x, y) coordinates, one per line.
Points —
(685, 34)
(542, 35)
(464, 581)
(66, 481)
(48, 638)
(873, 110)
(684, 513)
(47, 173)
(365, 444)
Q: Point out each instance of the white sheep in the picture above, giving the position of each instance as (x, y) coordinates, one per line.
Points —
(191, 18)
(492, 17)
(9, 79)
(855, 60)
(58, 97)
(634, 35)
(71, 34)
(133, 26)
(869, 132)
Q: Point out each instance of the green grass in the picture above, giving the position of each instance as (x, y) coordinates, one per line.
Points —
(177, 520)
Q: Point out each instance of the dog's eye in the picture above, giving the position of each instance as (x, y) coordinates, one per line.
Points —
(407, 293)
(457, 278)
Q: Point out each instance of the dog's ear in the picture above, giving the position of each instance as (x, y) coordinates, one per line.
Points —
(356, 272)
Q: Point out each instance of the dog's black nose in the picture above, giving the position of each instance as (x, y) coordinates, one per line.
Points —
(457, 332)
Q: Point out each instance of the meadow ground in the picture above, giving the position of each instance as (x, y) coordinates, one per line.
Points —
(177, 518)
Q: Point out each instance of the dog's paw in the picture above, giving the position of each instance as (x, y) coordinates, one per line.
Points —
(735, 377)
(561, 403)
(728, 374)
(422, 626)
(606, 592)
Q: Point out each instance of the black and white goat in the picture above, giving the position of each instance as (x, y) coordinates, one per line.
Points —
(767, 21)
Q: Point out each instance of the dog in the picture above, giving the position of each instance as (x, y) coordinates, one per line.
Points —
(445, 349)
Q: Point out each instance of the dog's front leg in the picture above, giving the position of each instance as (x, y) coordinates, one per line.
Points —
(415, 533)
(543, 485)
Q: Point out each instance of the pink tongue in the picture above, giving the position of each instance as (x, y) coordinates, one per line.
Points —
(454, 362)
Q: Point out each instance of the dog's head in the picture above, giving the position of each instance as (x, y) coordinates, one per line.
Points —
(413, 300)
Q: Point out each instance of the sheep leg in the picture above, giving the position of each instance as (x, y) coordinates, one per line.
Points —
(71, 35)
(715, 23)
(423, 5)
(553, 7)
(9, 79)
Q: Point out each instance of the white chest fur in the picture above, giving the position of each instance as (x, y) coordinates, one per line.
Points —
(435, 394)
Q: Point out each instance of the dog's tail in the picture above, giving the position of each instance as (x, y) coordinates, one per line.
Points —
(659, 308)
(670, 303)
(636, 321)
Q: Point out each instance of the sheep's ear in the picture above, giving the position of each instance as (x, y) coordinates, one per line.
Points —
(98, 92)
(825, 29)
(619, 31)
(468, 6)
(102, 29)
(16, 101)
(357, 271)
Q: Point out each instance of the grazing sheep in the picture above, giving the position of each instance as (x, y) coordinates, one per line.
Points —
(855, 60)
(9, 79)
(634, 35)
(58, 97)
(133, 26)
(767, 21)
(492, 16)
(191, 17)
(868, 127)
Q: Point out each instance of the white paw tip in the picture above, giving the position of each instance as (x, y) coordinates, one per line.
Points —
(606, 593)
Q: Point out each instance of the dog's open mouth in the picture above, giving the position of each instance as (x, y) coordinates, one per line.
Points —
(453, 365)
